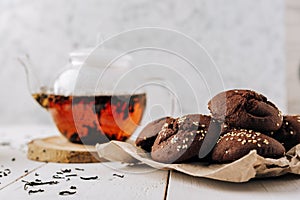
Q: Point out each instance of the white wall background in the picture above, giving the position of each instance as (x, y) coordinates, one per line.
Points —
(245, 38)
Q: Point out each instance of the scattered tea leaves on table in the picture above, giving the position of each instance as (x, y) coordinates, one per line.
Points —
(62, 174)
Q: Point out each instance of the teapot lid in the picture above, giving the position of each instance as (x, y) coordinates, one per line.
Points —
(86, 67)
(100, 58)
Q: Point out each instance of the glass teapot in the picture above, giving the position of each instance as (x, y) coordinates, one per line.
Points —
(95, 99)
(102, 94)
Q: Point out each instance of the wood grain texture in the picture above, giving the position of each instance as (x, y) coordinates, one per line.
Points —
(16, 162)
(138, 182)
(286, 187)
(59, 149)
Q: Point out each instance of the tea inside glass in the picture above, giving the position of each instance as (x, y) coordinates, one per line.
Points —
(94, 119)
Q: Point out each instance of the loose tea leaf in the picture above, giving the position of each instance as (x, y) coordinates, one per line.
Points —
(89, 178)
(4, 144)
(35, 191)
(118, 175)
(66, 170)
(34, 183)
(58, 177)
(79, 169)
(69, 175)
(66, 192)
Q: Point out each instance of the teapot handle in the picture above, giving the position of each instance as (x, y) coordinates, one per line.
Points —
(161, 99)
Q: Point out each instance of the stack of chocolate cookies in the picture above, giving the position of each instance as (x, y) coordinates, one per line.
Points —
(240, 121)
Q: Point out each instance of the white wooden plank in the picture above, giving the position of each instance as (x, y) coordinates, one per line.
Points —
(138, 183)
(13, 145)
(17, 163)
(18, 136)
(180, 185)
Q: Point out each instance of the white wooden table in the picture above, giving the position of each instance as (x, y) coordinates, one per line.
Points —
(139, 182)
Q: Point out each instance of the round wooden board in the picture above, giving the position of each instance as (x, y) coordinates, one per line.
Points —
(59, 149)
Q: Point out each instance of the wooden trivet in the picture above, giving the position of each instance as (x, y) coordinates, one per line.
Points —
(59, 149)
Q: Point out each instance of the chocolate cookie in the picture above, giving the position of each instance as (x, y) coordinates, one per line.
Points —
(245, 109)
(149, 133)
(188, 137)
(289, 132)
(239, 142)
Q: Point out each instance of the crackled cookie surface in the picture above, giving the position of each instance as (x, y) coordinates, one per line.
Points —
(185, 138)
(245, 109)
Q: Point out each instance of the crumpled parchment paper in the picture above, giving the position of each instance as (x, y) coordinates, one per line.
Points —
(250, 166)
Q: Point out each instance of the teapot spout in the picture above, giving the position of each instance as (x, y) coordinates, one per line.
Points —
(33, 83)
(37, 91)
